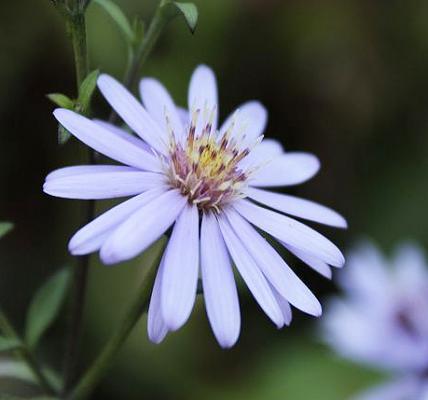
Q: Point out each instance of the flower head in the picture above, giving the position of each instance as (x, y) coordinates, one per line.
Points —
(182, 171)
(205, 168)
(383, 320)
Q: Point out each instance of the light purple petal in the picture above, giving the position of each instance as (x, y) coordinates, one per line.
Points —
(347, 328)
(410, 265)
(142, 228)
(106, 142)
(291, 232)
(203, 92)
(100, 182)
(298, 207)
(288, 169)
(123, 134)
(249, 119)
(251, 274)
(264, 152)
(156, 327)
(316, 264)
(367, 272)
(91, 237)
(180, 275)
(284, 305)
(184, 116)
(269, 148)
(133, 113)
(160, 106)
(220, 294)
(76, 170)
(279, 274)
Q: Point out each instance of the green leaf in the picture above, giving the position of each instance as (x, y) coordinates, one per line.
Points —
(118, 17)
(54, 378)
(61, 100)
(8, 344)
(5, 227)
(190, 14)
(45, 306)
(13, 369)
(87, 89)
(16, 370)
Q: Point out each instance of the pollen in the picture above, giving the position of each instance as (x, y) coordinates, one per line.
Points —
(205, 165)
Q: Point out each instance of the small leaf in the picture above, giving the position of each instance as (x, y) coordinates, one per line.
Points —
(45, 306)
(61, 100)
(53, 377)
(118, 17)
(11, 369)
(63, 135)
(190, 13)
(87, 89)
(5, 227)
(16, 370)
(8, 344)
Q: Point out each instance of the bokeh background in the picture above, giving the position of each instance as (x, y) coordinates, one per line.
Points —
(345, 79)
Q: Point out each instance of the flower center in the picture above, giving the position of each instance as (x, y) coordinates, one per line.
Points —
(205, 166)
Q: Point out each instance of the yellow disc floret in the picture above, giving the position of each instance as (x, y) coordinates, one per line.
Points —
(205, 168)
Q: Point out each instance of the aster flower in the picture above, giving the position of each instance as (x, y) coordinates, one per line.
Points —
(383, 321)
(205, 182)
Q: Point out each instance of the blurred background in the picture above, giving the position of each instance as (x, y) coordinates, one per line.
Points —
(344, 79)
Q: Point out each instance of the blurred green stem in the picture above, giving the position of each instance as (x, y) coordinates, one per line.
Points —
(103, 362)
(77, 29)
(25, 354)
(157, 23)
(139, 56)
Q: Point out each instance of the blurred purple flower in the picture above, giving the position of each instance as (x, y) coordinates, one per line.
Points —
(383, 320)
(184, 172)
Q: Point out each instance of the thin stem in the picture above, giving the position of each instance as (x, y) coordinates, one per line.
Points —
(25, 354)
(77, 30)
(102, 363)
(140, 54)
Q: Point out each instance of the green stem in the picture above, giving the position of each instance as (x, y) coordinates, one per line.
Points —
(156, 26)
(77, 30)
(25, 354)
(102, 363)
(141, 53)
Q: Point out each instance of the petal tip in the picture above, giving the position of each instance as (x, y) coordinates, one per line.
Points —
(109, 257)
(280, 325)
(47, 188)
(314, 309)
(227, 339)
(227, 344)
(342, 261)
(318, 311)
(155, 337)
(73, 247)
(204, 67)
(341, 222)
(172, 320)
